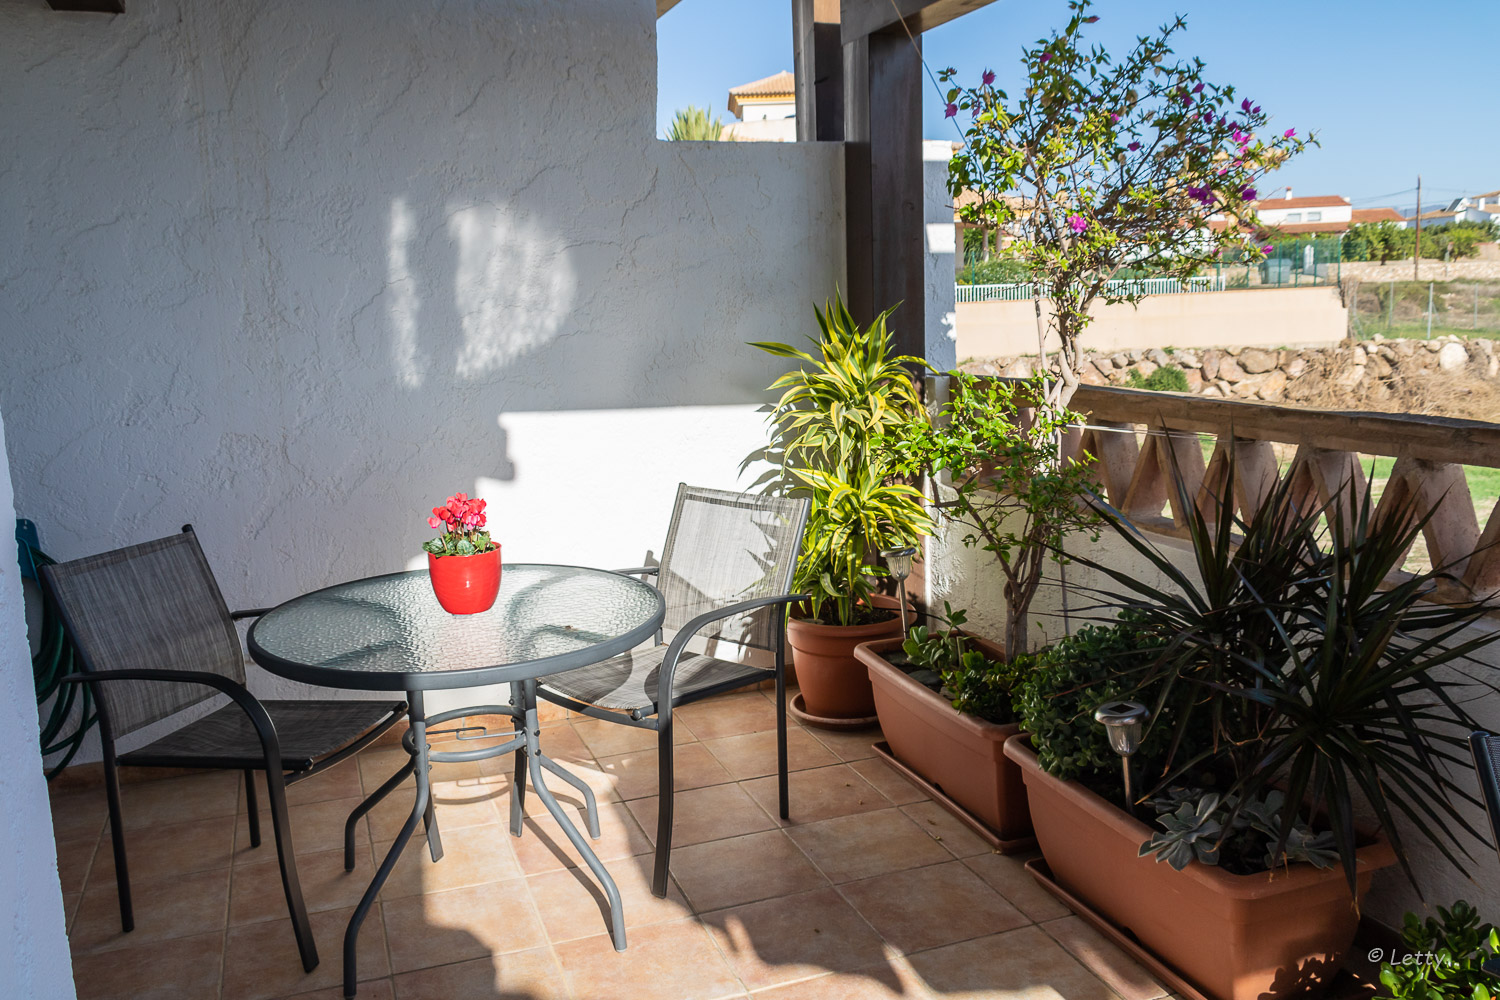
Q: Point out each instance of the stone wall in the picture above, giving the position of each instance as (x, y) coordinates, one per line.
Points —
(1293, 375)
(1431, 270)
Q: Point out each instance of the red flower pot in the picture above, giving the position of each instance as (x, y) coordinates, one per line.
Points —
(465, 585)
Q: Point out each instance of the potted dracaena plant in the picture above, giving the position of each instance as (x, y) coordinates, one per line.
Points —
(828, 425)
(1290, 672)
(463, 562)
(944, 698)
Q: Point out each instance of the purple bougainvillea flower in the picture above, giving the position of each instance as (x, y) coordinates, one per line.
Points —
(988, 77)
(1245, 105)
(1248, 194)
(1255, 110)
(951, 111)
(1223, 171)
(1198, 89)
(1046, 57)
(1113, 117)
(1187, 101)
(1077, 223)
(1133, 146)
(1289, 133)
(1267, 249)
(1091, 20)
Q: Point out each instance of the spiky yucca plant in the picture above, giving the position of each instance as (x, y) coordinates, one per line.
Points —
(693, 124)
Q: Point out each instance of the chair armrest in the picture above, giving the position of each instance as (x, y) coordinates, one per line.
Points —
(241, 696)
(692, 628)
(248, 613)
(638, 571)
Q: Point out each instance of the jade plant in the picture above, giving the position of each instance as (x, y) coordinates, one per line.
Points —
(1452, 956)
(829, 425)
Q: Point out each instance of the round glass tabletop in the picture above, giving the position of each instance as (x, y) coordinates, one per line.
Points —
(388, 633)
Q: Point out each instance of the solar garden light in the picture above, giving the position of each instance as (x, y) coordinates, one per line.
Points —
(898, 561)
(1125, 722)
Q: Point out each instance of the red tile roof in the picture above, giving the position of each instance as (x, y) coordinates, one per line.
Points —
(1316, 201)
(1377, 215)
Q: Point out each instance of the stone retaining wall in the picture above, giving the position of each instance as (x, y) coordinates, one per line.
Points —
(1285, 374)
(1431, 270)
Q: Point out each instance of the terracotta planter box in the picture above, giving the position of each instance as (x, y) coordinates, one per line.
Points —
(1236, 937)
(834, 683)
(961, 755)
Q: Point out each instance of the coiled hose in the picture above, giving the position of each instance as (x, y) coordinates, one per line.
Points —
(54, 660)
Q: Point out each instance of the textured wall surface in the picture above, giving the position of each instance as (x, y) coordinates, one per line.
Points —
(34, 959)
(968, 579)
(295, 272)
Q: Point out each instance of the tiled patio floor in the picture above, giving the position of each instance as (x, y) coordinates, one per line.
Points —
(872, 891)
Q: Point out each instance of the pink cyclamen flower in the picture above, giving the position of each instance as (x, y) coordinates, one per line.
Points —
(988, 77)
(1077, 223)
(1289, 133)
(433, 522)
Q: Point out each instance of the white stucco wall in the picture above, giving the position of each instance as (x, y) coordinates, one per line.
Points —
(296, 272)
(941, 237)
(970, 579)
(34, 958)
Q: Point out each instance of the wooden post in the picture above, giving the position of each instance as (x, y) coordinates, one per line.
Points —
(819, 61)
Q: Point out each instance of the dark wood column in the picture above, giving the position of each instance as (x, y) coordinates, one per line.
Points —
(818, 57)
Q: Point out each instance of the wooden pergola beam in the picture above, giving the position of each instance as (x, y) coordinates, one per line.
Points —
(862, 18)
(662, 6)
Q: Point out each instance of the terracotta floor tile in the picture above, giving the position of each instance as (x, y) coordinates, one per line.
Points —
(466, 802)
(521, 975)
(339, 782)
(609, 739)
(375, 989)
(1025, 963)
(928, 907)
(884, 777)
(175, 907)
(670, 961)
(561, 742)
(704, 814)
(753, 755)
(947, 829)
(1009, 877)
(472, 855)
(375, 766)
(1104, 959)
(256, 893)
(867, 844)
(817, 793)
(635, 774)
(316, 826)
(573, 906)
(729, 715)
(79, 815)
(893, 979)
(849, 745)
(75, 858)
(543, 847)
(180, 800)
(261, 960)
(742, 870)
(170, 849)
(439, 928)
(789, 938)
(180, 969)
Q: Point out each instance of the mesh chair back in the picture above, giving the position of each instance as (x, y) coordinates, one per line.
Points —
(727, 547)
(1486, 750)
(151, 606)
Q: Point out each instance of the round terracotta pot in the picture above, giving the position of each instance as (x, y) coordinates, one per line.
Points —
(834, 683)
(465, 585)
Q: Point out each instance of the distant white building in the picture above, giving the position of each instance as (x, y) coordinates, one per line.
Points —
(1329, 213)
(766, 109)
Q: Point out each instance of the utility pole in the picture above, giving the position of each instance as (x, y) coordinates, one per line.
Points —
(1416, 258)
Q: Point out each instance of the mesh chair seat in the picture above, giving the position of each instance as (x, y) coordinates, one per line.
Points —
(1486, 750)
(628, 682)
(308, 731)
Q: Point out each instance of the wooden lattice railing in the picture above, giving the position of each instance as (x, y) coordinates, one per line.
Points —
(1327, 447)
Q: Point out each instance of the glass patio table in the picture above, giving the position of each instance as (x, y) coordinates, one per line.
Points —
(388, 633)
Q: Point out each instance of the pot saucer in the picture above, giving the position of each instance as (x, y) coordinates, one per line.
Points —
(799, 712)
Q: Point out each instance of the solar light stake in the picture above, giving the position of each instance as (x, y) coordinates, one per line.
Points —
(1125, 722)
(898, 561)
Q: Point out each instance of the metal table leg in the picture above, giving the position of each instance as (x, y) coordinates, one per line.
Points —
(416, 717)
(536, 764)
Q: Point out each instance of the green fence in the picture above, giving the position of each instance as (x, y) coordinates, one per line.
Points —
(1290, 264)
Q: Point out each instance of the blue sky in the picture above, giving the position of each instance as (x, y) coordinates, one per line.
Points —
(1385, 107)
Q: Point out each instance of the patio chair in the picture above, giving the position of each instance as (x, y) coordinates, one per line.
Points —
(154, 637)
(725, 575)
(1486, 750)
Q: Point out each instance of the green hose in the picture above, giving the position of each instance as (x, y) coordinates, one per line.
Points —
(52, 662)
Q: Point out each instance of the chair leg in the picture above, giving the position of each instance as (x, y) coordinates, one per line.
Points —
(665, 798)
(252, 808)
(296, 906)
(781, 767)
(117, 835)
